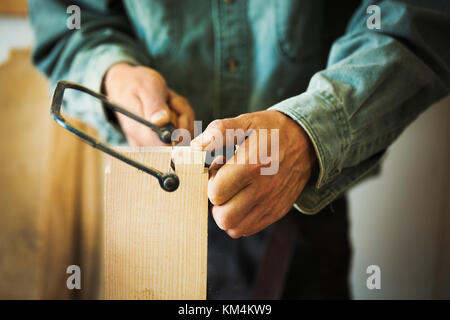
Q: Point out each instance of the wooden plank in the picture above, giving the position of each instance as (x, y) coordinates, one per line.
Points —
(71, 215)
(24, 131)
(156, 241)
(52, 193)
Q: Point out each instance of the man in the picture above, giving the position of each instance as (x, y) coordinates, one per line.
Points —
(338, 89)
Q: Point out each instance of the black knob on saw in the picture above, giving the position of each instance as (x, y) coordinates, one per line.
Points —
(169, 182)
(165, 133)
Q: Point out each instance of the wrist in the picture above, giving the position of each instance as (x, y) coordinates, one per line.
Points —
(323, 118)
(300, 141)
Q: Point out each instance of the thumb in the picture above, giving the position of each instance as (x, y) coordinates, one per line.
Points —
(220, 133)
(160, 115)
(154, 106)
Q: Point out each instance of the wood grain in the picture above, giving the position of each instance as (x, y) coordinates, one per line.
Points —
(156, 241)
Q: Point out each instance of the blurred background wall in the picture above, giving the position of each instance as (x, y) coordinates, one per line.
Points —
(400, 220)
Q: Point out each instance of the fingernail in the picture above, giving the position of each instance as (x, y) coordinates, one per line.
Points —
(159, 116)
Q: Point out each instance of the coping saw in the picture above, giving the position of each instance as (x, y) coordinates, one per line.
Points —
(168, 181)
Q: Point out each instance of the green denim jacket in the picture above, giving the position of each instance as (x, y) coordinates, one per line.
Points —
(353, 89)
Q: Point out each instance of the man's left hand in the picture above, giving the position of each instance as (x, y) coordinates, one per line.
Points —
(243, 200)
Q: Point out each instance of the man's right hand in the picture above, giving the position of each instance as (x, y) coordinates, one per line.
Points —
(144, 92)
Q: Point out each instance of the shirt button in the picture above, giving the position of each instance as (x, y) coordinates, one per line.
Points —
(232, 65)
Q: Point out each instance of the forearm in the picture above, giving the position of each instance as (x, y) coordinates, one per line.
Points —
(376, 83)
(83, 55)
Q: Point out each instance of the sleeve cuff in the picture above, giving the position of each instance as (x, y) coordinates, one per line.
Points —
(324, 121)
(321, 116)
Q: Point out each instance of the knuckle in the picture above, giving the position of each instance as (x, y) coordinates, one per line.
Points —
(235, 233)
(158, 77)
(184, 101)
(222, 219)
(225, 222)
(142, 71)
(217, 124)
(140, 68)
(214, 195)
(267, 188)
(150, 75)
(213, 198)
(243, 116)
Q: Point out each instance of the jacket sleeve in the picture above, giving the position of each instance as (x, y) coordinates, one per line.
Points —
(84, 55)
(375, 84)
